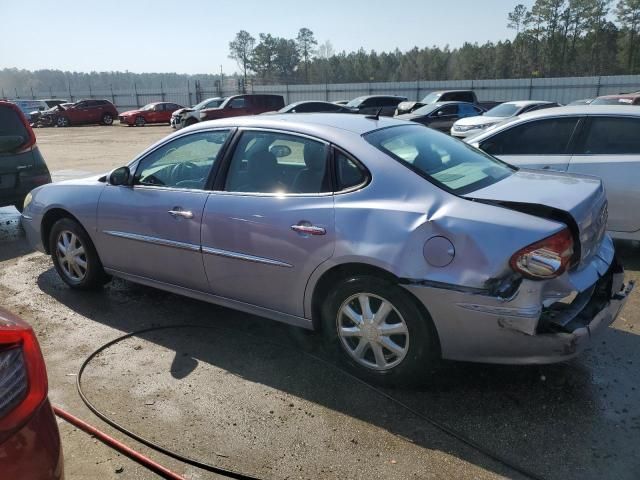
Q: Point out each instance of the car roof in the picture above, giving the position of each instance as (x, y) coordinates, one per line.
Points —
(381, 96)
(525, 103)
(616, 110)
(309, 101)
(583, 110)
(622, 95)
(305, 122)
(450, 91)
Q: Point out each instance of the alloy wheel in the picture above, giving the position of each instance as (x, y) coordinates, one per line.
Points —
(372, 331)
(71, 256)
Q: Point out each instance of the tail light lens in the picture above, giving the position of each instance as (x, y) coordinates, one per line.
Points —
(545, 259)
(23, 377)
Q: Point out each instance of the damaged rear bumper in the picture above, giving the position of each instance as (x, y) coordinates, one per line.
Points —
(482, 328)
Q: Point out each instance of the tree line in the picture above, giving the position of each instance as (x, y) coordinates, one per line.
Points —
(553, 38)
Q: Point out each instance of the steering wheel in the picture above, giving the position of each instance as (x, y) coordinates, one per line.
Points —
(183, 171)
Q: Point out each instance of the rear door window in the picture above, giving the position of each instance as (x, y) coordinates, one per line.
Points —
(612, 135)
(549, 136)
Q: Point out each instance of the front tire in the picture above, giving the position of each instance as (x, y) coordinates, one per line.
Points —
(62, 121)
(74, 256)
(107, 119)
(140, 121)
(379, 332)
(190, 121)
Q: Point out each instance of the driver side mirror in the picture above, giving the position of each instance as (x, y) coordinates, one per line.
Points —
(120, 176)
(440, 113)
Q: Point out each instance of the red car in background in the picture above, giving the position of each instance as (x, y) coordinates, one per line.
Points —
(84, 112)
(158, 112)
(30, 446)
(248, 104)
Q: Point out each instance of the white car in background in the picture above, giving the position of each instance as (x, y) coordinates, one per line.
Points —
(598, 140)
(465, 127)
(185, 117)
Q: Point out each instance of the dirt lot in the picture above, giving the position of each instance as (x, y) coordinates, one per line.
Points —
(242, 392)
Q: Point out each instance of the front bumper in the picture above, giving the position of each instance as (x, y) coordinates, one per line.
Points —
(479, 328)
(32, 233)
(175, 122)
(127, 120)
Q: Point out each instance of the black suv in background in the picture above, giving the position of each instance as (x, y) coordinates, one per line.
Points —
(22, 167)
(370, 104)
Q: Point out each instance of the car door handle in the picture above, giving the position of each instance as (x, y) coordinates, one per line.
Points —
(308, 229)
(178, 212)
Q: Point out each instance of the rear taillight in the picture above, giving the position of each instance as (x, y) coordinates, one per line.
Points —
(545, 259)
(23, 377)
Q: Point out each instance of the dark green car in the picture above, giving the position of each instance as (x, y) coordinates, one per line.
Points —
(22, 167)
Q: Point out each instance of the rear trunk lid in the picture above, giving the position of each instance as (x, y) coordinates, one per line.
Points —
(579, 201)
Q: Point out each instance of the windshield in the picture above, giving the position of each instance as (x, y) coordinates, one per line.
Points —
(449, 163)
(503, 110)
(426, 109)
(355, 102)
(431, 98)
(148, 107)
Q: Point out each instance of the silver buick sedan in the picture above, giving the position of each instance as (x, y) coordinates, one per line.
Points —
(401, 244)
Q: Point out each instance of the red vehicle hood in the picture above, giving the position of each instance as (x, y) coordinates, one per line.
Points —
(131, 112)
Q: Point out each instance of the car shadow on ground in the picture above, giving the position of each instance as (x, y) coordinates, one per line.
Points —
(578, 419)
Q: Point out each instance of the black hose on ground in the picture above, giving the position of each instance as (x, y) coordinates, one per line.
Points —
(241, 476)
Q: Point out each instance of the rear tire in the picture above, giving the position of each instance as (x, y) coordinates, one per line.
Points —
(107, 119)
(74, 256)
(395, 343)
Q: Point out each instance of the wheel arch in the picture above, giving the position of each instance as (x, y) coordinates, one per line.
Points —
(49, 219)
(336, 273)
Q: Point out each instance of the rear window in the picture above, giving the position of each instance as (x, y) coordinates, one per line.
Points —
(11, 124)
(449, 163)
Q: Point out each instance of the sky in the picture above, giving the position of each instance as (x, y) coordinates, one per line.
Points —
(192, 36)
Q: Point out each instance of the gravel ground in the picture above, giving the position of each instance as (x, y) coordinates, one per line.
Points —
(245, 393)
